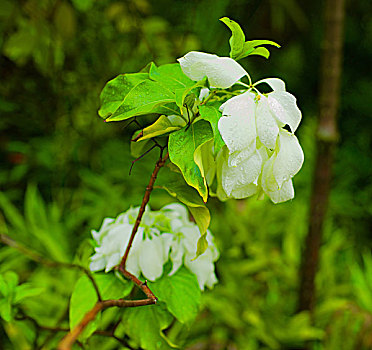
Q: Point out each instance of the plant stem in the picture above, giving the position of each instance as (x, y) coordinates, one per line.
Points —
(159, 164)
(67, 342)
(327, 137)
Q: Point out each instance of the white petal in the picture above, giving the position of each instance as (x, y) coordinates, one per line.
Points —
(222, 158)
(267, 127)
(237, 157)
(202, 267)
(113, 260)
(191, 235)
(268, 181)
(96, 235)
(132, 265)
(289, 159)
(237, 124)
(240, 192)
(243, 174)
(150, 258)
(222, 72)
(285, 193)
(275, 83)
(176, 256)
(283, 106)
(204, 92)
(98, 263)
(176, 210)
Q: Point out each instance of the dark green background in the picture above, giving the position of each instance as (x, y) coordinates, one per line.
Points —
(56, 57)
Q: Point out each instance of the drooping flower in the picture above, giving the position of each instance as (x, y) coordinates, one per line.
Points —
(148, 253)
(262, 154)
(184, 245)
(222, 72)
(163, 235)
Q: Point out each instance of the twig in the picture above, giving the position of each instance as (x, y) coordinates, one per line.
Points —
(159, 164)
(71, 338)
(67, 342)
(50, 263)
(141, 156)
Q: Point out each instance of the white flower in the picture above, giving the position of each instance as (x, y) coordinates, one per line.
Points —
(162, 235)
(260, 150)
(184, 245)
(222, 72)
(148, 253)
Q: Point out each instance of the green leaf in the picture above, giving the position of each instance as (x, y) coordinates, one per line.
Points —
(237, 38)
(213, 115)
(26, 291)
(171, 76)
(181, 94)
(181, 294)
(138, 148)
(202, 245)
(21, 44)
(39, 226)
(84, 297)
(163, 125)
(250, 48)
(182, 145)
(145, 326)
(241, 48)
(6, 309)
(176, 186)
(116, 90)
(146, 97)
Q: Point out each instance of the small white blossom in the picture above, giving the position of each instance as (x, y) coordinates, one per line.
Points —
(222, 72)
(262, 154)
(184, 245)
(162, 235)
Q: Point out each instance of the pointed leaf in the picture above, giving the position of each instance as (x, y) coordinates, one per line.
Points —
(182, 145)
(250, 48)
(181, 294)
(163, 125)
(145, 325)
(176, 186)
(213, 115)
(237, 38)
(260, 51)
(116, 90)
(171, 76)
(146, 97)
(202, 245)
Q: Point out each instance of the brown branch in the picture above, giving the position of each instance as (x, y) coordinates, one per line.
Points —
(71, 338)
(67, 342)
(49, 263)
(327, 138)
(159, 164)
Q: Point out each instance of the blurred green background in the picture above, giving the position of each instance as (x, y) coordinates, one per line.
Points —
(63, 169)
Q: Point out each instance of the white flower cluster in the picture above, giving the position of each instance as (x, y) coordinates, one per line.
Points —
(262, 155)
(162, 235)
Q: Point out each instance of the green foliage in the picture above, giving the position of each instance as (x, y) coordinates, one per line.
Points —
(241, 48)
(84, 297)
(181, 294)
(182, 146)
(174, 184)
(145, 326)
(50, 83)
(213, 115)
(11, 294)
